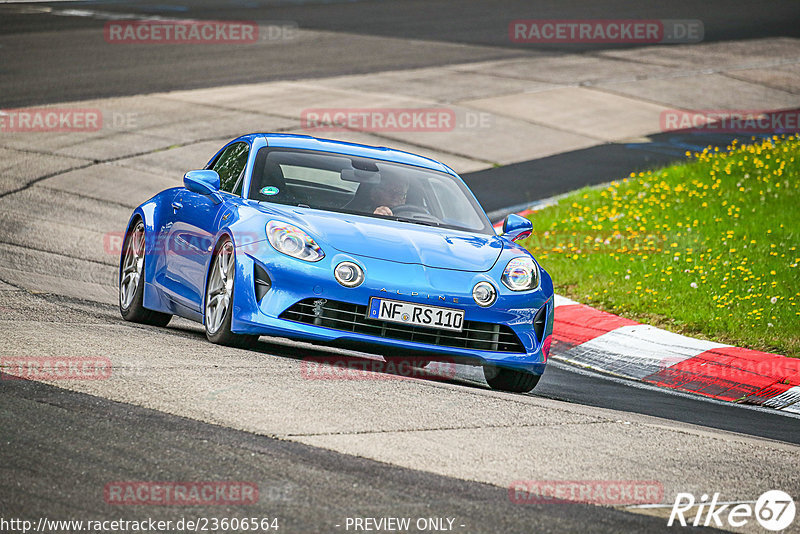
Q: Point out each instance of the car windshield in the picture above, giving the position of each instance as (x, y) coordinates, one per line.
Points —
(364, 186)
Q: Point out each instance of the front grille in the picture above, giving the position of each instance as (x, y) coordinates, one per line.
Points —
(353, 318)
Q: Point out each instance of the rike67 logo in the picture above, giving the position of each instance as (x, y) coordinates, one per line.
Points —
(774, 510)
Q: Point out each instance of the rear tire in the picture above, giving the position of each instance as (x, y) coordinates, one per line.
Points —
(510, 380)
(218, 304)
(131, 280)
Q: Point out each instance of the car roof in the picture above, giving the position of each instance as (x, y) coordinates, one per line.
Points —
(308, 142)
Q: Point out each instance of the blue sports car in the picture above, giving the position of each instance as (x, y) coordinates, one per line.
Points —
(339, 243)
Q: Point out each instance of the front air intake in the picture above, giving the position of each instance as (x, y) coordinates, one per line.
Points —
(353, 318)
(262, 282)
(540, 322)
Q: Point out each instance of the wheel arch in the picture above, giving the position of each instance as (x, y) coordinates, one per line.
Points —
(152, 213)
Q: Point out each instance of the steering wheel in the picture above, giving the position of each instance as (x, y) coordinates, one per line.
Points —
(410, 210)
(414, 212)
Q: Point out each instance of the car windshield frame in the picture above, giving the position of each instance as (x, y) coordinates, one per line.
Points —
(410, 173)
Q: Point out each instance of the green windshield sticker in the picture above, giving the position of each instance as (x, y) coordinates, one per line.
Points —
(270, 190)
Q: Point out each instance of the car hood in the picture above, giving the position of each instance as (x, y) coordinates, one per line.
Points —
(395, 241)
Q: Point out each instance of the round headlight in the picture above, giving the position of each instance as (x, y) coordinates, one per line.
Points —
(348, 274)
(292, 241)
(521, 274)
(291, 244)
(484, 294)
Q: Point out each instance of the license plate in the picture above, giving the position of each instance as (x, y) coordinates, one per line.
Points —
(397, 311)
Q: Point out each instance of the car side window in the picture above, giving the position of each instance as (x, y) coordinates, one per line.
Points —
(230, 165)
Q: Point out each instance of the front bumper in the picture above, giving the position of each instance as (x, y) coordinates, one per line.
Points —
(293, 283)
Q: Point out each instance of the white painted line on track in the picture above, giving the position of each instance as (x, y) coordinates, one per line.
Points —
(670, 505)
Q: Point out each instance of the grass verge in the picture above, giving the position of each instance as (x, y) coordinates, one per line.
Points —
(706, 248)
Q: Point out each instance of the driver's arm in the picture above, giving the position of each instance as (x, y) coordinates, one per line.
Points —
(383, 210)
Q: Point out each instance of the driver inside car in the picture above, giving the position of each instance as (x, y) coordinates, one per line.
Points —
(380, 198)
(390, 193)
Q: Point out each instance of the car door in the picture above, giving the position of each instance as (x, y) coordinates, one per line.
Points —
(196, 220)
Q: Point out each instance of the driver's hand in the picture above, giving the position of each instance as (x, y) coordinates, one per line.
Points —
(383, 210)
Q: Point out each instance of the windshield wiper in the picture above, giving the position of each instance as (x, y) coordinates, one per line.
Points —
(418, 221)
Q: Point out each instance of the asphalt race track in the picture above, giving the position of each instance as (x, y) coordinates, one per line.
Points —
(306, 487)
(180, 409)
(452, 31)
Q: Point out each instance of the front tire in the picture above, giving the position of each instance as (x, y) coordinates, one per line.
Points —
(219, 299)
(131, 280)
(510, 380)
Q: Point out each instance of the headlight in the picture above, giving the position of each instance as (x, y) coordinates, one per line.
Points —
(292, 241)
(348, 274)
(521, 274)
(484, 294)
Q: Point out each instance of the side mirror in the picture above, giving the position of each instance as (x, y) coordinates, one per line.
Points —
(205, 182)
(516, 227)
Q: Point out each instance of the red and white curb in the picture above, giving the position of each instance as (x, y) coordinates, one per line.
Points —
(605, 342)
